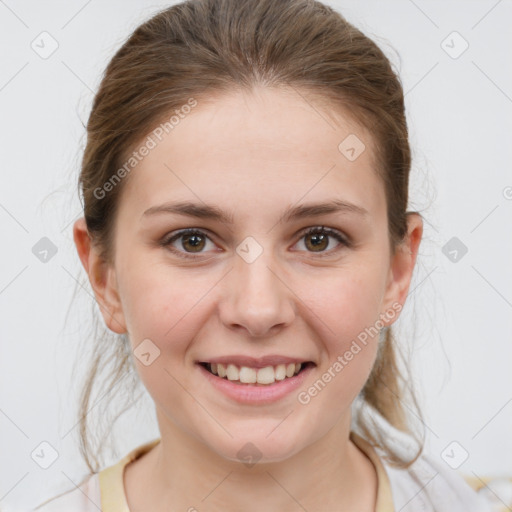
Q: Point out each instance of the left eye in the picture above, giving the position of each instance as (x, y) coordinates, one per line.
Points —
(193, 241)
(318, 239)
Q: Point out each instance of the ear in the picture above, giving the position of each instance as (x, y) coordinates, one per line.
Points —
(102, 278)
(402, 265)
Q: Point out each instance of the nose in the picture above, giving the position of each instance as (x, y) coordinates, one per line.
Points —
(257, 298)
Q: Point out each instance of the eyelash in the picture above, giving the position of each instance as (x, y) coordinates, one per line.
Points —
(167, 241)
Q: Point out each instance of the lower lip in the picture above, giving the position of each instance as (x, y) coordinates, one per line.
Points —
(253, 394)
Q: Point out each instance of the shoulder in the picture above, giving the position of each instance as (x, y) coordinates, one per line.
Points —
(98, 491)
(83, 498)
(428, 486)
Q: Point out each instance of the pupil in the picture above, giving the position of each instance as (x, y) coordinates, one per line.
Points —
(317, 240)
(194, 240)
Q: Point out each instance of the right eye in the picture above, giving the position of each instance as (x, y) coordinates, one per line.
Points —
(192, 242)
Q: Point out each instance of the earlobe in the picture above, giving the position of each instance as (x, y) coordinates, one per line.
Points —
(403, 263)
(102, 278)
(112, 311)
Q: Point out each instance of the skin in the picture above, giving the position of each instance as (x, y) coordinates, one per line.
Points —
(252, 155)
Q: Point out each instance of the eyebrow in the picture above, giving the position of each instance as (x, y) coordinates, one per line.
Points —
(205, 211)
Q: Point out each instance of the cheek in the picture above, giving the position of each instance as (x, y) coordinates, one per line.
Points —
(347, 310)
(163, 304)
(166, 307)
(346, 304)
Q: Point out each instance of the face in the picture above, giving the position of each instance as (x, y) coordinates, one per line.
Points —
(273, 282)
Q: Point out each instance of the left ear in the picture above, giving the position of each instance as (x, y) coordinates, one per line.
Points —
(402, 264)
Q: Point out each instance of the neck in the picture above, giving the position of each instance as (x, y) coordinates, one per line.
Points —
(182, 472)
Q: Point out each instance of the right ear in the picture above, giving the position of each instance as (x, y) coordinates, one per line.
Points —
(102, 278)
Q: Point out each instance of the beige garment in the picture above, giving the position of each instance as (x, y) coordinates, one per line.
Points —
(427, 486)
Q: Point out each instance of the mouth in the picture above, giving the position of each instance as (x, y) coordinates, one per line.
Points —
(256, 376)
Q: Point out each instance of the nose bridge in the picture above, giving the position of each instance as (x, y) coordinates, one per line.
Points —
(256, 299)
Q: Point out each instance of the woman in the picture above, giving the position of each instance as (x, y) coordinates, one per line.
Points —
(246, 233)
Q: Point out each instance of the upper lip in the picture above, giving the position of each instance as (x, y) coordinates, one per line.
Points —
(255, 362)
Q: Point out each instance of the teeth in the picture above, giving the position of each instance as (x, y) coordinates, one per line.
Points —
(266, 375)
(280, 372)
(221, 370)
(232, 372)
(246, 375)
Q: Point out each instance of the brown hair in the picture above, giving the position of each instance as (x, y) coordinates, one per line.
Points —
(200, 47)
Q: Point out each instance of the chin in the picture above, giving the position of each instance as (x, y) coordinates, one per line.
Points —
(257, 450)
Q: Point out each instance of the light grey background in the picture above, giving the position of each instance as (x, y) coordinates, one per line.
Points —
(459, 112)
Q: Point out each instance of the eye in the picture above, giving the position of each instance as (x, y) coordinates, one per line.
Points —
(190, 242)
(193, 241)
(318, 239)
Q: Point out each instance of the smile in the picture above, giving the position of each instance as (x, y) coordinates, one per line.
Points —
(250, 385)
(249, 375)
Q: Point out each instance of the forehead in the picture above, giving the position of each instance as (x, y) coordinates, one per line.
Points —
(254, 148)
